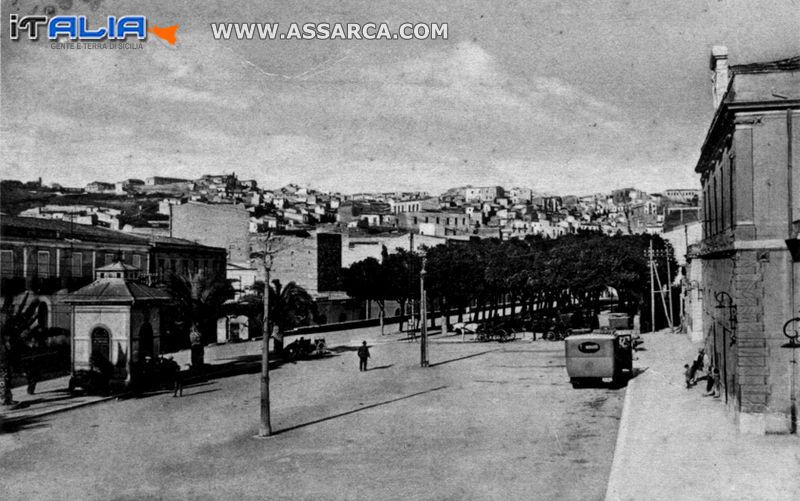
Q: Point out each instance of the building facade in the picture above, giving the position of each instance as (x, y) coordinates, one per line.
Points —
(313, 262)
(483, 193)
(50, 257)
(215, 225)
(751, 220)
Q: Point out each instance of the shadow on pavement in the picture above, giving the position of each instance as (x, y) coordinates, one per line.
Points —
(342, 349)
(346, 413)
(381, 367)
(235, 366)
(198, 393)
(21, 424)
(461, 358)
(35, 401)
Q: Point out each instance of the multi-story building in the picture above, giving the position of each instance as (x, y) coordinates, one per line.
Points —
(482, 194)
(437, 223)
(158, 180)
(751, 221)
(312, 261)
(687, 196)
(48, 257)
(521, 195)
(215, 225)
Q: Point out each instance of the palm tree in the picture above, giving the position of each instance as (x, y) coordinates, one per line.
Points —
(198, 298)
(18, 324)
(289, 307)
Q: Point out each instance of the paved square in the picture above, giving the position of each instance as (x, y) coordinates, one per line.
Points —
(485, 421)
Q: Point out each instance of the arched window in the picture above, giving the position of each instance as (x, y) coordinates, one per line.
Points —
(101, 343)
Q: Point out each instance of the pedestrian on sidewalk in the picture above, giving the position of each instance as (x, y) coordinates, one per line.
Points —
(697, 365)
(712, 384)
(174, 376)
(31, 374)
(363, 355)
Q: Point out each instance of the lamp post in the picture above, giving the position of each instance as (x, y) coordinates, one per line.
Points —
(423, 309)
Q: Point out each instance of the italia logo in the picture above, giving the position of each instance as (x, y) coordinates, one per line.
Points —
(77, 28)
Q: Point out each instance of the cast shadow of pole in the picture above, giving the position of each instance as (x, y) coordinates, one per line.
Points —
(461, 358)
(353, 411)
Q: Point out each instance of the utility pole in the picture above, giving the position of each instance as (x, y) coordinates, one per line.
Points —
(411, 325)
(423, 310)
(265, 427)
(669, 288)
(652, 289)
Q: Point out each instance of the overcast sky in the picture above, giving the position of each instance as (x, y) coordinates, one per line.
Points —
(567, 96)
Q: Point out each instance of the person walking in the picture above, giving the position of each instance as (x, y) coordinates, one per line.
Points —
(363, 355)
(31, 373)
(174, 376)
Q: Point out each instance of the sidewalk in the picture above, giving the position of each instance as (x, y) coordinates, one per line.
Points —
(675, 443)
(52, 396)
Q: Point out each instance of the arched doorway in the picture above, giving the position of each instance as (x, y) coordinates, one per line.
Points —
(101, 343)
(42, 315)
(145, 341)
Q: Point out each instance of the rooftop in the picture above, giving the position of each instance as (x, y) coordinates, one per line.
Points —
(789, 64)
(117, 291)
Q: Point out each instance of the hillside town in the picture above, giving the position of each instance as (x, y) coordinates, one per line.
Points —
(189, 337)
(362, 225)
(464, 212)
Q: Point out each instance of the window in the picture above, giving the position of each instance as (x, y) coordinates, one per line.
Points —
(137, 261)
(77, 264)
(109, 259)
(101, 344)
(43, 263)
(7, 263)
(715, 217)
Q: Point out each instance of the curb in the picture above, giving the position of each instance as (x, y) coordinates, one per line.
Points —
(614, 476)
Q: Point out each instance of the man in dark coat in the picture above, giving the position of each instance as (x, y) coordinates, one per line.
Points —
(363, 355)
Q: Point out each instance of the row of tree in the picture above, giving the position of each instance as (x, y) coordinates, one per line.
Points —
(535, 275)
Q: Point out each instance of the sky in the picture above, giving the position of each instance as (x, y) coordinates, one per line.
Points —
(563, 97)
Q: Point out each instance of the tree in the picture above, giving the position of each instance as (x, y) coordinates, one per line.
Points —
(402, 284)
(366, 280)
(289, 307)
(18, 324)
(198, 299)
